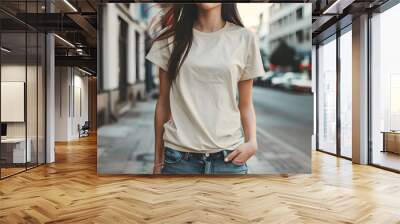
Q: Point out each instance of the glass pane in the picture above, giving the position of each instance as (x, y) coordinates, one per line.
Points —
(385, 89)
(31, 88)
(41, 99)
(13, 87)
(31, 98)
(346, 94)
(327, 97)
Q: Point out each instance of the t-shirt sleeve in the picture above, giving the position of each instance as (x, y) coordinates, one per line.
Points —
(159, 54)
(254, 65)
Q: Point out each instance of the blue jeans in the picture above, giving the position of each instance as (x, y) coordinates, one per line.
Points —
(177, 162)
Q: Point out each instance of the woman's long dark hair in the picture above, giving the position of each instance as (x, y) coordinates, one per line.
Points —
(179, 21)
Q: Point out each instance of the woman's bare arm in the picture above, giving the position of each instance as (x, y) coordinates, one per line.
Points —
(248, 118)
(247, 114)
(162, 115)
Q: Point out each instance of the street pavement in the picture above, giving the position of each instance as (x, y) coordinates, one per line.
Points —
(284, 129)
(285, 115)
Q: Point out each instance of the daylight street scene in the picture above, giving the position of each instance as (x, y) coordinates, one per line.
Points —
(128, 88)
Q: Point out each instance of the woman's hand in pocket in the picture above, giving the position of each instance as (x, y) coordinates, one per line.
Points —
(241, 154)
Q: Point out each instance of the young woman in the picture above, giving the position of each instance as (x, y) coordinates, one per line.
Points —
(206, 58)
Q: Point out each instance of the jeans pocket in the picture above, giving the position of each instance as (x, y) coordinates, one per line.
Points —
(172, 156)
(239, 165)
(238, 168)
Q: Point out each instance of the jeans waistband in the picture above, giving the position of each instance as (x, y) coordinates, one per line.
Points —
(223, 153)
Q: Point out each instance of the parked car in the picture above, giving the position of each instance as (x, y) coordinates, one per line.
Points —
(267, 78)
(284, 80)
(302, 85)
(292, 81)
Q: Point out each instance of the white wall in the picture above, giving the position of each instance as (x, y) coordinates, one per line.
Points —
(70, 83)
(80, 83)
(61, 103)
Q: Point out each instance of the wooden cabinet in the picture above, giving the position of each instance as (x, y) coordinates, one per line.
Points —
(391, 141)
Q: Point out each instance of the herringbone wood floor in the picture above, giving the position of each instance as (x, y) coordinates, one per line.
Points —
(70, 191)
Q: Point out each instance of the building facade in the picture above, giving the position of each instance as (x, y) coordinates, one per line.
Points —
(122, 79)
(290, 23)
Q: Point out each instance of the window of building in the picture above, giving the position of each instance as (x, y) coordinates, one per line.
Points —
(299, 36)
(346, 94)
(137, 47)
(335, 94)
(123, 60)
(307, 34)
(299, 13)
(327, 96)
(385, 89)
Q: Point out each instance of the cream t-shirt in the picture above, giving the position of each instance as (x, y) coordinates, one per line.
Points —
(203, 99)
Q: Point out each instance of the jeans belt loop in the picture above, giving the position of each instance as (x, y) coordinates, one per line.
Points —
(224, 153)
(186, 156)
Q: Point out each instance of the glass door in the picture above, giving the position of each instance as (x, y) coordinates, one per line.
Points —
(41, 97)
(326, 60)
(385, 89)
(32, 98)
(346, 72)
(14, 153)
(22, 77)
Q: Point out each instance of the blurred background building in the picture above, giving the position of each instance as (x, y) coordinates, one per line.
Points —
(285, 34)
(125, 75)
(290, 23)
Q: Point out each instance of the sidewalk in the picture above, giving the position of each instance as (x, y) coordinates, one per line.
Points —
(126, 147)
